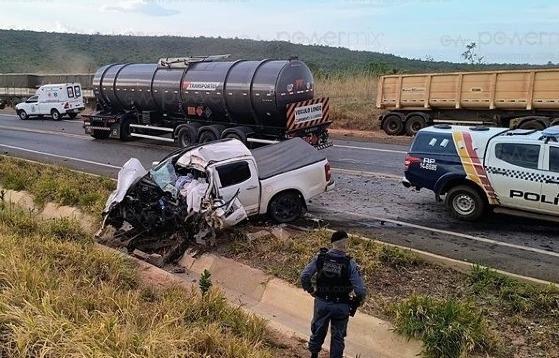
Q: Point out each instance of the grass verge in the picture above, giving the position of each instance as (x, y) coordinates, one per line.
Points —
(56, 184)
(454, 314)
(62, 296)
(352, 100)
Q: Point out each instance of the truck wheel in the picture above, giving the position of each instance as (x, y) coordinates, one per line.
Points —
(186, 136)
(210, 133)
(55, 115)
(414, 124)
(286, 207)
(22, 115)
(72, 115)
(465, 203)
(125, 128)
(97, 134)
(536, 124)
(392, 124)
(238, 133)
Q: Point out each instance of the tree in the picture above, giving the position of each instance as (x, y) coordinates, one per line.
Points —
(471, 56)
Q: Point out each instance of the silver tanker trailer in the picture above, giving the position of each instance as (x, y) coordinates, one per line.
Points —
(201, 99)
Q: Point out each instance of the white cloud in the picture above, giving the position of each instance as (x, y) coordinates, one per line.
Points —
(145, 7)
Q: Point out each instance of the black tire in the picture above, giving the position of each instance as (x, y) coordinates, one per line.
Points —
(22, 115)
(125, 128)
(392, 124)
(465, 203)
(72, 115)
(532, 124)
(186, 136)
(238, 133)
(286, 207)
(207, 136)
(97, 134)
(414, 124)
(56, 116)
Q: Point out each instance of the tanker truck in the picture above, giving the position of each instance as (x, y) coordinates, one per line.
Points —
(194, 100)
(527, 99)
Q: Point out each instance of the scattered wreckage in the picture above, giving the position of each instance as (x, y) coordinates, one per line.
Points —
(195, 192)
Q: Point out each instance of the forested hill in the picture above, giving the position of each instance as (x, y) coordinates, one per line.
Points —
(46, 52)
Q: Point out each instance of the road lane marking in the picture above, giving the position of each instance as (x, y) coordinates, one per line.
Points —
(370, 149)
(60, 156)
(460, 235)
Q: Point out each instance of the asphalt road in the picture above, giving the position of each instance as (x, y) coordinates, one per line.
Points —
(368, 197)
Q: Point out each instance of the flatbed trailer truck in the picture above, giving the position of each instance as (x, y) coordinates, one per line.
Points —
(526, 99)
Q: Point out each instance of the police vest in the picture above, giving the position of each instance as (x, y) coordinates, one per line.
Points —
(333, 277)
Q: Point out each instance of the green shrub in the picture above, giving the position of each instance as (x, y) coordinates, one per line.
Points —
(448, 328)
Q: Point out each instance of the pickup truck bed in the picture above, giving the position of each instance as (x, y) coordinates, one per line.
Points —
(284, 157)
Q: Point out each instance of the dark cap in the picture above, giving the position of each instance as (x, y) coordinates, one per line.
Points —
(338, 235)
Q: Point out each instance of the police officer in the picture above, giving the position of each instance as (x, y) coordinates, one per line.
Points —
(337, 276)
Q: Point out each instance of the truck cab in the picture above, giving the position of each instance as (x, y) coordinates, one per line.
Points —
(56, 100)
(478, 168)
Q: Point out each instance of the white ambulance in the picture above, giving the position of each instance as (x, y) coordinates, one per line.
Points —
(55, 100)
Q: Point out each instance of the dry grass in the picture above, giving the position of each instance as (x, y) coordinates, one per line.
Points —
(60, 296)
(56, 184)
(352, 100)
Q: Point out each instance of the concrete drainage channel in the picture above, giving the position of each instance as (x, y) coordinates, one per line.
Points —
(287, 308)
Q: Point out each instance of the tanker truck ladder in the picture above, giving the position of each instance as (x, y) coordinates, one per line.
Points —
(183, 62)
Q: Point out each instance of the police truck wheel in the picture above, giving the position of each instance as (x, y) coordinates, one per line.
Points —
(286, 207)
(414, 124)
(55, 115)
(186, 136)
(22, 115)
(465, 203)
(393, 125)
(97, 134)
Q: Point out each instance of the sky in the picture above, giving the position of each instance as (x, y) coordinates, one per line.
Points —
(508, 31)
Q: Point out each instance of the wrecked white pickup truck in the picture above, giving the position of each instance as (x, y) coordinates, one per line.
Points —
(195, 191)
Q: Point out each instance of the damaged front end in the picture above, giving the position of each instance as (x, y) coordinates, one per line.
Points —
(165, 209)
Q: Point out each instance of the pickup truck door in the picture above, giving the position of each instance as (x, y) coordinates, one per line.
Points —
(549, 202)
(241, 176)
(515, 172)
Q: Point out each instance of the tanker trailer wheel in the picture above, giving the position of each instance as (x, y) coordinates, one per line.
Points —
(55, 115)
(239, 133)
(125, 128)
(286, 207)
(392, 124)
(186, 136)
(209, 133)
(414, 123)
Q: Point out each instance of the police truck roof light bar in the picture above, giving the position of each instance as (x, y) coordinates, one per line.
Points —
(551, 133)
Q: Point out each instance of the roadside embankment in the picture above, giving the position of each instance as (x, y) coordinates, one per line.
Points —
(479, 312)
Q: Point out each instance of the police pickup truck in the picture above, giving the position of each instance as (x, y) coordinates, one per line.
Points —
(478, 168)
